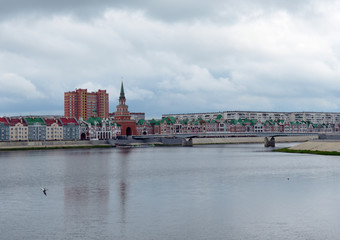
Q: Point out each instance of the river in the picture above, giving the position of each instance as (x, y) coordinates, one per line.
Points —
(203, 192)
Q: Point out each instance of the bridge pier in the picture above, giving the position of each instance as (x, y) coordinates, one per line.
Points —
(269, 143)
(187, 143)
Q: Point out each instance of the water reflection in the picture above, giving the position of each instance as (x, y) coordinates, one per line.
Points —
(86, 189)
(205, 192)
(123, 186)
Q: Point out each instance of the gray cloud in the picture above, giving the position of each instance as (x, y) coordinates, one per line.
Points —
(178, 57)
(160, 9)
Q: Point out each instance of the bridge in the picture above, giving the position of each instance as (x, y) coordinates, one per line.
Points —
(225, 134)
(186, 139)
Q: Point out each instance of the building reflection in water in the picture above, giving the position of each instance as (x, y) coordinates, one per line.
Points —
(86, 189)
(123, 185)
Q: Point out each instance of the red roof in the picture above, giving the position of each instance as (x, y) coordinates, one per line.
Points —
(14, 121)
(3, 120)
(66, 121)
(50, 121)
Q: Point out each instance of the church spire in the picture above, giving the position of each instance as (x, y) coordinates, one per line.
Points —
(122, 95)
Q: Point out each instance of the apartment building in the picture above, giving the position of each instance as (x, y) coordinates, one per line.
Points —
(54, 129)
(82, 104)
(70, 128)
(36, 128)
(18, 129)
(4, 129)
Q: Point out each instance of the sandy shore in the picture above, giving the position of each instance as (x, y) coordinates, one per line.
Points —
(327, 146)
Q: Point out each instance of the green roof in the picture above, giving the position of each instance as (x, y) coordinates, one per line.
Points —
(169, 120)
(185, 121)
(155, 122)
(122, 94)
(33, 120)
(92, 120)
(211, 121)
(142, 122)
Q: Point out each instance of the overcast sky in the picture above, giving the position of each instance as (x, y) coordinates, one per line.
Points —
(173, 56)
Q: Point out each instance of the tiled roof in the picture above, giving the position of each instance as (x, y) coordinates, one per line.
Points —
(66, 121)
(4, 121)
(50, 121)
(14, 121)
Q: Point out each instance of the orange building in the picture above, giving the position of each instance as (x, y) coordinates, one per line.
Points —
(83, 104)
(122, 116)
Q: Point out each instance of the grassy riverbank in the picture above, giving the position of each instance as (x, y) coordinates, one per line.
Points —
(289, 150)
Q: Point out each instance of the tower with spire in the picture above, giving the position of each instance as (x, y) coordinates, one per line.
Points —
(122, 116)
(122, 95)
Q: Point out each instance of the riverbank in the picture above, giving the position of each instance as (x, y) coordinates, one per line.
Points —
(38, 145)
(321, 147)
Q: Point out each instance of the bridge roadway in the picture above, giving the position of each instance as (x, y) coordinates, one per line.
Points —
(224, 134)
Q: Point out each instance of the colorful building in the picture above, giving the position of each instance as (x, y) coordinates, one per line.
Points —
(83, 104)
(36, 128)
(4, 129)
(18, 129)
(70, 128)
(54, 129)
(99, 129)
(122, 116)
(144, 127)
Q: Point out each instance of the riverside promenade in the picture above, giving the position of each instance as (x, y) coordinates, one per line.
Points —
(31, 145)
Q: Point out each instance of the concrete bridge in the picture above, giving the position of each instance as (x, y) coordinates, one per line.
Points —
(186, 139)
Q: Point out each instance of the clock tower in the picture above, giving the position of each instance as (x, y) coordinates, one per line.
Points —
(122, 116)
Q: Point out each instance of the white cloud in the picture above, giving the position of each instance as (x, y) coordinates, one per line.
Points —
(17, 87)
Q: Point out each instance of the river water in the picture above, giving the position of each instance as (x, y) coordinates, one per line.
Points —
(201, 192)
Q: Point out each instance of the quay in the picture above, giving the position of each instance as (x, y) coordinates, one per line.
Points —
(154, 141)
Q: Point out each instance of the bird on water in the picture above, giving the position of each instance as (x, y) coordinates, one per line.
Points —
(44, 190)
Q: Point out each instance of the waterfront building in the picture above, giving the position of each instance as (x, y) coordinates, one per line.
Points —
(100, 129)
(4, 129)
(313, 117)
(82, 104)
(36, 128)
(156, 126)
(18, 129)
(70, 128)
(172, 125)
(144, 127)
(54, 129)
(122, 116)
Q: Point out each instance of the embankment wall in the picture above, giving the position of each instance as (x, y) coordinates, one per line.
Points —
(235, 140)
(32, 144)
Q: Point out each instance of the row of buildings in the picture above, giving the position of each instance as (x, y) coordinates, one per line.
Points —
(313, 117)
(172, 125)
(61, 128)
(87, 117)
(38, 128)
